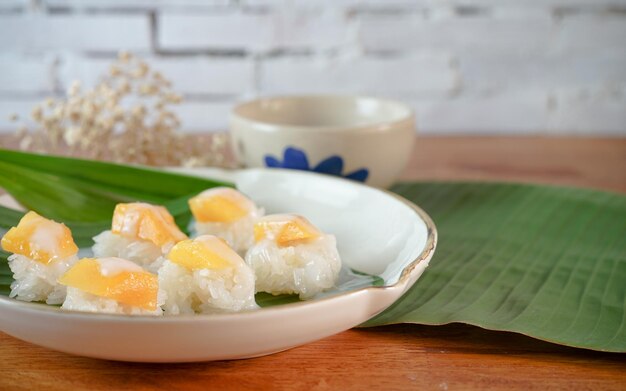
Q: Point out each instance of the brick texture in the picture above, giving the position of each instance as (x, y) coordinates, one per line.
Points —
(21, 74)
(456, 34)
(465, 66)
(406, 76)
(40, 32)
(254, 32)
(189, 75)
(520, 113)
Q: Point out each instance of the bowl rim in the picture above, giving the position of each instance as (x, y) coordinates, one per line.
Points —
(410, 273)
(408, 117)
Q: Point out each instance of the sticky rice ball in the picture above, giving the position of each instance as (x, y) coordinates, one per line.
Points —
(110, 285)
(42, 251)
(204, 275)
(140, 233)
(227, 214)
(291, 256)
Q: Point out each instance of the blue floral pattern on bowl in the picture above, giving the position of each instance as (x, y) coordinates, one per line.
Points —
(296, 159)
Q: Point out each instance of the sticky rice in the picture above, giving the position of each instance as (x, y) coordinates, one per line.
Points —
(291, 256)
(227, 214)
(110, 285)
(42, 251)
(140, 233)
(205, 275)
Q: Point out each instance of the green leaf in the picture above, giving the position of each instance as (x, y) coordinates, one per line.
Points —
(142, 179)
(6, 277)
(267, 300)
(85, 190)
(9, 217)
(543, 261)
(54, 197)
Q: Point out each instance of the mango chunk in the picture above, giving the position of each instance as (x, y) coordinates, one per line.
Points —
(204, 252)
(285, 230)
(40, 239)
(220, 205)
(136, 288)
(148, 222)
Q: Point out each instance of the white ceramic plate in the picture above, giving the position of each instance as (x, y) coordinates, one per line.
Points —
(377, 233)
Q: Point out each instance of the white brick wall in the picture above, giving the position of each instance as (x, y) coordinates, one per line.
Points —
(466, 66)
(136, 4)
(191, 75)
(490, 73)
(43, 32)
(388, 76)
(26, 74)
(518, 113)
(227, 30)
(15, 105)
(577, 111)
(202, 116)
(584, 33)
(482, 33)
(213, 31)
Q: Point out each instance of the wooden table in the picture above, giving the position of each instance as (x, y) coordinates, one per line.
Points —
(391, 357)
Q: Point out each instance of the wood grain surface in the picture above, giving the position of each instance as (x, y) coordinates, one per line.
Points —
(452, 357)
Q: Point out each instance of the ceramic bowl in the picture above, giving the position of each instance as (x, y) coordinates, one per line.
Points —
(361, 138)
(378, 233)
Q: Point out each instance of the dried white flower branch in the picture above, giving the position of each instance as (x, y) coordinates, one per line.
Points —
(126, 118)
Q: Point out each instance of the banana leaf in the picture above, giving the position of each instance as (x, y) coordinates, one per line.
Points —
(544, 261)
(121, 178)
(71, 189)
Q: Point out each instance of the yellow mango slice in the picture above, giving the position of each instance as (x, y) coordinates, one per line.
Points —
(136, 288)
(204, 252)
(40, 239)
(285, 230)
(147, 222)
(220, 205)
